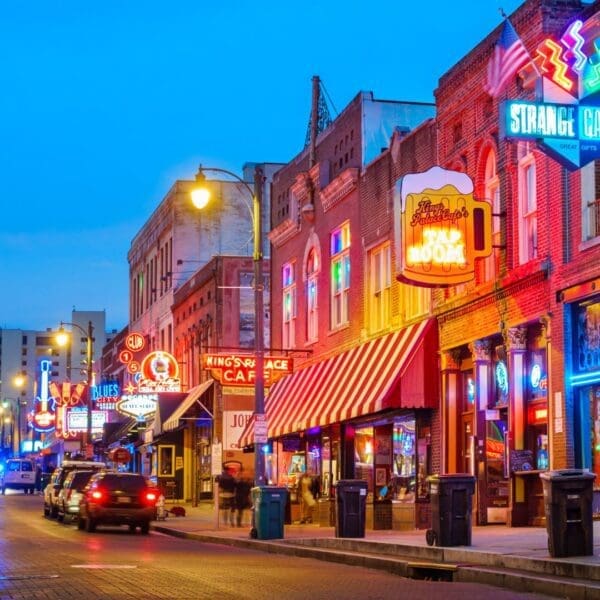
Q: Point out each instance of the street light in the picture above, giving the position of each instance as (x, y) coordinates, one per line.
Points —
(200, 198)
(62, 338)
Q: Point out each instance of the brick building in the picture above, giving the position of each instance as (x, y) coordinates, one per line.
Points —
(363, 398)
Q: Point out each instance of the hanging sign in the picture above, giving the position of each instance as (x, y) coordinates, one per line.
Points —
(440, 228)
(138, 405)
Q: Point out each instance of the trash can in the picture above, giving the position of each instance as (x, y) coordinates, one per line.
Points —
(451, 498)
(268, 505)
(568, 497)
(351, 506)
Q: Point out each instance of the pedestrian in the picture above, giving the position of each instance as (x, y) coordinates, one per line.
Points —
(226, 483)
(242, 497)
(307, 499)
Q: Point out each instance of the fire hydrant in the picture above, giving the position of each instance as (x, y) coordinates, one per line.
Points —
(161, 511)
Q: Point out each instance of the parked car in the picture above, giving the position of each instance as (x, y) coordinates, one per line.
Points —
(57, 480)
(18, 474)
(69, 495)
(112, 498)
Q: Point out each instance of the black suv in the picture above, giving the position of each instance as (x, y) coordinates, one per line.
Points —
(118, 499)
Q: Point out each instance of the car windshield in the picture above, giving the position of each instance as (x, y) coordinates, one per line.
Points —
(125, 482)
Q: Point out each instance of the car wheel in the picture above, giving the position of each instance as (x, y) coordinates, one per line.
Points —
(132, 528)
(53, 512)
(67, 519)
(90, 526)
(60, 518)
(145, 528)
(46, 511)
(81, 524)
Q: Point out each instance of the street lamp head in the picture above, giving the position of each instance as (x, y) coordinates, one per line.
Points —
(62, 337)
(200, 194)
(19, 380)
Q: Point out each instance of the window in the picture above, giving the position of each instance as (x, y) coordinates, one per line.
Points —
(312, 316)
(416, 300)
(340, 275)
(379, 287)
(491, 264)
(289, 305)
(527, 205)
(590, 201)
(166, 462)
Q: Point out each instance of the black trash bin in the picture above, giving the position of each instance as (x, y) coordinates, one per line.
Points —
(351, 506)
(568, 497)
(451, 499)
(268, 505)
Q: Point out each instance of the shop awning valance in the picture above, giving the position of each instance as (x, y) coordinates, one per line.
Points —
(397, 370)
(194, 396)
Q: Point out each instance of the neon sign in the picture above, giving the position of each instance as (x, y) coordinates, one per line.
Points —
(565, 120)
(159, 372)
(440, 228)
(43, 417)
(139, 406)
(240, 370)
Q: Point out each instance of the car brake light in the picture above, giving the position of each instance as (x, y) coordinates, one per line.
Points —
(151, 496)
(97, 495)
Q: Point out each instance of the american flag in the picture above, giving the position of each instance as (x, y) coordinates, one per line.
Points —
(509, 56)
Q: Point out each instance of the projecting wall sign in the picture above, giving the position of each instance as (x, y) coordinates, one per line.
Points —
(565, 121)
(440, 228)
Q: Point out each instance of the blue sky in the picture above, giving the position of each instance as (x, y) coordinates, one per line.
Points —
(105, 104)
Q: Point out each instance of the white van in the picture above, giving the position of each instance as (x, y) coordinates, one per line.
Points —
(18, 474)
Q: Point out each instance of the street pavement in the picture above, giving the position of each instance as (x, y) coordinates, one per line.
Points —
(510, 557)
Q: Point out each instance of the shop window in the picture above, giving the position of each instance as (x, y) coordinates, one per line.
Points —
(340, 276)
(404, 460)
(289, 305)
(166, 461)
(380, 285)
(363, 455)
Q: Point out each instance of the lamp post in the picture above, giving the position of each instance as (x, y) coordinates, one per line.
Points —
(62, 338)
(200, 198)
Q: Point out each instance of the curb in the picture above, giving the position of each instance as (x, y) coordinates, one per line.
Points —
(564, 580)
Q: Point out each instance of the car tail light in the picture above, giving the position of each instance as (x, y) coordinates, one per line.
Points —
(97, 495)
(151, 496)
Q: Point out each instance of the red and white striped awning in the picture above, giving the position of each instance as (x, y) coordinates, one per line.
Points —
(397, 370)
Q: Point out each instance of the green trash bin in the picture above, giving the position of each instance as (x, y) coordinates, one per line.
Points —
(268, 517)
(568, 506)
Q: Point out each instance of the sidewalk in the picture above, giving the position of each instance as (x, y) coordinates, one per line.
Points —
(508, 557)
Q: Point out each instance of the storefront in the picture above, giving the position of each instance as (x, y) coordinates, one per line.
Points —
(366, 413)
(584, 318)
(497, 421)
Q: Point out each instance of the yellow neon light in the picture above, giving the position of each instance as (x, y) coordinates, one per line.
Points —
(440, 246)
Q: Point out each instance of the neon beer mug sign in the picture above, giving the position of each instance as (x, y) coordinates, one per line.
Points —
(440, 228)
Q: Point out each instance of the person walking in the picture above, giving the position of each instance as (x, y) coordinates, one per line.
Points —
(242, 497)
(226, 483)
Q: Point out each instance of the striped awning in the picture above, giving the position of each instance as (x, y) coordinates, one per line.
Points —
(397, 370)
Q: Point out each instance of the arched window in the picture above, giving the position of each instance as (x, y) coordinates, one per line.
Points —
(312, 308)
(491, 265)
